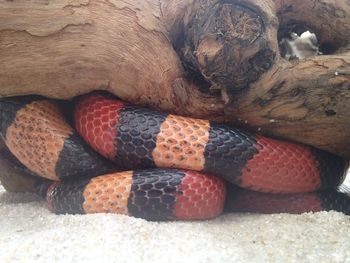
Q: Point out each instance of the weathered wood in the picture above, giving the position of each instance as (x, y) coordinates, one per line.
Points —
(205, 58)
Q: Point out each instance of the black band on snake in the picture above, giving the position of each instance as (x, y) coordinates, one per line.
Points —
(161, 166)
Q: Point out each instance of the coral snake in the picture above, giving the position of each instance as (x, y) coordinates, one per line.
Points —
(115, 157)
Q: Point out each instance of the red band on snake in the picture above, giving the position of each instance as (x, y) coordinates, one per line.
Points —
(135, 139)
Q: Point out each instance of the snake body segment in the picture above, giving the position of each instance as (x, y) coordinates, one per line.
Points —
(242, 200)
(36, 132)
(163, 165)
(15, 177)
(159, 194)
(136, 137)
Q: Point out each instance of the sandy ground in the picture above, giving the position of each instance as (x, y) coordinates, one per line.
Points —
(29, 233)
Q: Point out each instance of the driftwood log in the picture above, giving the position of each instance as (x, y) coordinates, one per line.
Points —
(204, 58)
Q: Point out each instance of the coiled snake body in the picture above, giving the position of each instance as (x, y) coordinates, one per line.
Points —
(163, 166)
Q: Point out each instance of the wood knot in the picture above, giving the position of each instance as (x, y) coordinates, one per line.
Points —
(224, 48)
(238, 23)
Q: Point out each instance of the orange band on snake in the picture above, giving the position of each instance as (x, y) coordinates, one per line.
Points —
(136, 139)
(141, 138)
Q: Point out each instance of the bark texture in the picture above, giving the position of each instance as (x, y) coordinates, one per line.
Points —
(204, 58)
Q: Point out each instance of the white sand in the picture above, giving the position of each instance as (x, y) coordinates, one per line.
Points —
(29, 233)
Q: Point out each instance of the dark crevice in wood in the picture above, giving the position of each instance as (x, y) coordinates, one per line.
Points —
(209, 49)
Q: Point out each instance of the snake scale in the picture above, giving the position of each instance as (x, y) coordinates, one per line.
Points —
(120, 158)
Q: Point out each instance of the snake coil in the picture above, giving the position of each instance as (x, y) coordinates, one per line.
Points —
(161, 166)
